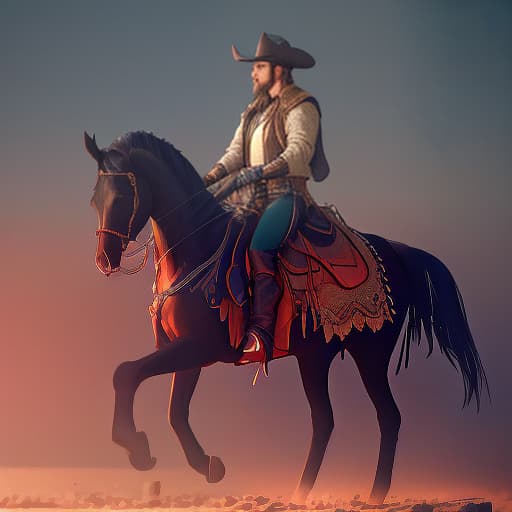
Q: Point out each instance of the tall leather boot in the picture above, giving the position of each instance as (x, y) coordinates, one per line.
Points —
(259, 339)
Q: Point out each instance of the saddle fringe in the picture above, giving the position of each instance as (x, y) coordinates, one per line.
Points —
(334, 274)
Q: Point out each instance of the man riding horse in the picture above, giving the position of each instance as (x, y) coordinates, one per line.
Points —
(339, 278)
(276, 148)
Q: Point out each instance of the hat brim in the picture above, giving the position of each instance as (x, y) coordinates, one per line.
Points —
(295, 58)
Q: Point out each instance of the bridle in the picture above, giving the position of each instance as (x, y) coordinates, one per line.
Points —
(125, 239)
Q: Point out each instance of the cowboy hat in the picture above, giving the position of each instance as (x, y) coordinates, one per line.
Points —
(277, 50)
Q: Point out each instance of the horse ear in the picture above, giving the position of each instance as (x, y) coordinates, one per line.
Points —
(92, 148)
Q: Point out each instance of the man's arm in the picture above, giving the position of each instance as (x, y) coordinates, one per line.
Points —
(231, 161)
(301, 129)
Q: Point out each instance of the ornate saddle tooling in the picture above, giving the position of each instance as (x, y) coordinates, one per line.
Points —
(325, 268)
(319, 240)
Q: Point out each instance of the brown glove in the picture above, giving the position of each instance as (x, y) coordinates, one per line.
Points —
(217, 172)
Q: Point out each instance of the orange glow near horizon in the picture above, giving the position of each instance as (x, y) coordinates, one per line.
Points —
(46, 482)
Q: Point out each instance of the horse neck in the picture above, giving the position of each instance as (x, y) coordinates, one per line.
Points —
(186, 237)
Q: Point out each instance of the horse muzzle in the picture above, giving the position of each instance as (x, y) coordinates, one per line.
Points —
(108, 253)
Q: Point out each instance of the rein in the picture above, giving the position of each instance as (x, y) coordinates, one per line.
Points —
(159, 298)
(151, 239)
(157, 264)
(125, 238)
(184, 203)
(145, 247)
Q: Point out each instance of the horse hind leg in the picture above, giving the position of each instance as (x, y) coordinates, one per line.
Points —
(389, 420)
(182, 388)
(314, 370)
(373, 368)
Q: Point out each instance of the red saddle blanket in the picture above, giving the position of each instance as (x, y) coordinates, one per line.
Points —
(327, 268)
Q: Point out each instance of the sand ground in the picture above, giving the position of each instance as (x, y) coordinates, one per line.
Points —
(119, 489)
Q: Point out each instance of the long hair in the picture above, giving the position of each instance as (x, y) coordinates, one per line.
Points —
(286, 77)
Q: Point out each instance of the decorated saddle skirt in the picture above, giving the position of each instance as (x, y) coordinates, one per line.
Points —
(326, 269)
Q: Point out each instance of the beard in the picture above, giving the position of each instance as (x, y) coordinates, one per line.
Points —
(263, 88)
(261, 97)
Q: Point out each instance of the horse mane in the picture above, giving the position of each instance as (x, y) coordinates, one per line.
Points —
(165, 151)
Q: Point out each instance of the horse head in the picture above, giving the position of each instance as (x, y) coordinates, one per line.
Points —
(122, 200)
(142, 176)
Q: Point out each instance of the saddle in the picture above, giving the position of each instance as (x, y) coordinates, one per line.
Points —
(326, 269)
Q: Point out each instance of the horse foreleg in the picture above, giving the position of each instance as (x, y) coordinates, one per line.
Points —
(182, 388)
(314, 371)
(181, 354)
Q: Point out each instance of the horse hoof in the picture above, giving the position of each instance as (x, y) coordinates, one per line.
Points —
(216, 470)
(376, 500)
(140, 458)
(299, 497)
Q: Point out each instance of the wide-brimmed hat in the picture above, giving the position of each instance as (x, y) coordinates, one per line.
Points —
(277, 50)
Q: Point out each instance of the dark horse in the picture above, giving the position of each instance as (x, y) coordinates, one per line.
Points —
(142, 177)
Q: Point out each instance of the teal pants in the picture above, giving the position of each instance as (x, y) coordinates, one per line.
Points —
(277, 222)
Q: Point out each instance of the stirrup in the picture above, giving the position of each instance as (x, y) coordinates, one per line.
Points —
(259, 347)
(256, 348)
(253, 352)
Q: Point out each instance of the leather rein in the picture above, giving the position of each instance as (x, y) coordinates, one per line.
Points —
(125, 238)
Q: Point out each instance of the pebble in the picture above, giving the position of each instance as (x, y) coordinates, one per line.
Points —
(229, 501)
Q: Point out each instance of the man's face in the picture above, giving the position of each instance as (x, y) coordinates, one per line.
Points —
(262, 76)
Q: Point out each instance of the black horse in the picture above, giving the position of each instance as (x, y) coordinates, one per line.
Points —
(142, 177)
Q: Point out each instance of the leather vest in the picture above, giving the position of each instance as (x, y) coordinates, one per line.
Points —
(274, 134)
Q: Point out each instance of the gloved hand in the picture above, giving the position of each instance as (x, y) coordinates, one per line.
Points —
(248, 175)
(217, 172)
(209, 180)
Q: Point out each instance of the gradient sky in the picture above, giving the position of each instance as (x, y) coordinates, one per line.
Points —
(417, 121)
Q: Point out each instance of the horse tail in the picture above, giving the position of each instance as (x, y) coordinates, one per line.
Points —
(436, 302)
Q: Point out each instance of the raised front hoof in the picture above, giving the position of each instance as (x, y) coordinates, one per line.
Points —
(139, 454)
(216, 470)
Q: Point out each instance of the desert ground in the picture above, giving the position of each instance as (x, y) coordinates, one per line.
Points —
(202, 503)
(119, 489)
(72, 489)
